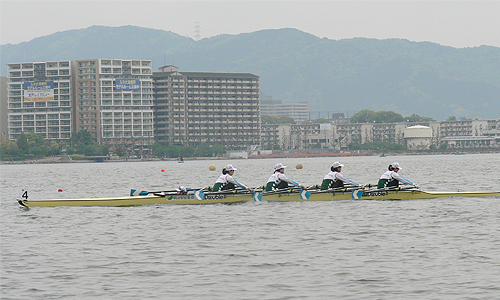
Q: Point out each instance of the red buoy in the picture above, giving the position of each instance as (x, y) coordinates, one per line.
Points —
(163, 170)
(59, 190)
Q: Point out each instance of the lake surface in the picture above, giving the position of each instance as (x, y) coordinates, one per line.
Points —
(446, 248)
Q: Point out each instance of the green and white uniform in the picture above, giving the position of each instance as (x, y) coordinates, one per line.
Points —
(391, 179)
(226, 182)
(279, 181)
(335, 179)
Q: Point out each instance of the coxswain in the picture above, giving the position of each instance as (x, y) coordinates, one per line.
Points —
(334, 179)
(226, 180)
(391, 178)
(181, 190)
(279, 180)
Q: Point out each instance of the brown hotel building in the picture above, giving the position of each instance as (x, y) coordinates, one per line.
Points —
(197, 107)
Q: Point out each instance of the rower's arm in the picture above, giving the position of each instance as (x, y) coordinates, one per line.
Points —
(401, 179)
(345, 180)
(234, 181)
(283, 177)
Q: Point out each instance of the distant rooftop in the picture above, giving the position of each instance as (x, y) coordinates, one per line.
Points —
(173, 69)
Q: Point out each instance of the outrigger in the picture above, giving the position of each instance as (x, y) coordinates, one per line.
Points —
(203, 196)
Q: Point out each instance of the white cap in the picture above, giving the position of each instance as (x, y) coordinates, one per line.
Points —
(396, 165)
(230, 168)
(181, 189)
(279, 166)
(337, 164)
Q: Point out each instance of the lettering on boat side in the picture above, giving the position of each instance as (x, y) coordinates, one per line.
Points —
(375, 194)
(181, 197)
(213, 197)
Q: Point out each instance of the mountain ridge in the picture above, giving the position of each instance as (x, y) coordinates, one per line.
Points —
(333, 75)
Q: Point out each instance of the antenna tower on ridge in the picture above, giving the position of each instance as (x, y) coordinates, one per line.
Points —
(197, 31)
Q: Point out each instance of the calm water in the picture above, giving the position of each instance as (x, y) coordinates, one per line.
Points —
(445, 248)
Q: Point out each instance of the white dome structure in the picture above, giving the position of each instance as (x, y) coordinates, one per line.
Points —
(418, 137)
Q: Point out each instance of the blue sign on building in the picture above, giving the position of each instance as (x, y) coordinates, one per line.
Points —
(127, 84)
(39, 91)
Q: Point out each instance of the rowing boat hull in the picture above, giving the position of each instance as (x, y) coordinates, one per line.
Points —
(379, 195)
(234, 198)
(138, 200)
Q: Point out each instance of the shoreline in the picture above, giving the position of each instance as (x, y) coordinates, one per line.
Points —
(66, 159)
(307, 154)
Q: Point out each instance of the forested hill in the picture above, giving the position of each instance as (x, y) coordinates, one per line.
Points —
(333, 75)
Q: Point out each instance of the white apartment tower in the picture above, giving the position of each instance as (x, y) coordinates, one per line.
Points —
(110, 98)
(40, 99)
(114, 100)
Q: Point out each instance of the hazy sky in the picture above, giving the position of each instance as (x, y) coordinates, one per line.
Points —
(451, 23)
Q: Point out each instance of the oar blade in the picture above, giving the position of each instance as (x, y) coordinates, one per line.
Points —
(199, 195)
(357, 194)
(257, 197)
(304, 195)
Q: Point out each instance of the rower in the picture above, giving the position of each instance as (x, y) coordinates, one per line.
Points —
(391, 178)
(182, 190)
(226, 180)
(279, 180)
(334, 179)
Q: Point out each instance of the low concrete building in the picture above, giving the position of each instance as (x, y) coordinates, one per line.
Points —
(470, 142)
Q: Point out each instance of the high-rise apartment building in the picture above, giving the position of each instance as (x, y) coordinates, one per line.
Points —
(114, 100)
(198, 107)
(40, 99)
(4, 108)
(110, 98)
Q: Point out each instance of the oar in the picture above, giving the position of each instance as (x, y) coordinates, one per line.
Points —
(159, 193)
(257, 196)
(394, 188)
(285, 190)
(236, 190)
(306, 194)
(278, 191)
(344, 189)
(357, 194)
(200, 195)
(141, 193)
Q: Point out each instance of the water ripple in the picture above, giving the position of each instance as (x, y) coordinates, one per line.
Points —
(426, 249)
